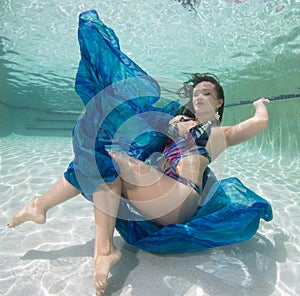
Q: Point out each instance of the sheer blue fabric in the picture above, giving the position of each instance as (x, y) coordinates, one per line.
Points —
(120, 110)
(119, 99)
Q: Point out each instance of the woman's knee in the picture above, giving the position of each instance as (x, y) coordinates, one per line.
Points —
(114, 185)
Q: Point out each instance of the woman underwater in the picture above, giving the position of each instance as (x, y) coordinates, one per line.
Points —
(156, 203)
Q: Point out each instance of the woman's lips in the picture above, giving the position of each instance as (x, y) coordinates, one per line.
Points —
(200, 103)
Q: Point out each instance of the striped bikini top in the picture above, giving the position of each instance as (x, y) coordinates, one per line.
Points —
(193, 141)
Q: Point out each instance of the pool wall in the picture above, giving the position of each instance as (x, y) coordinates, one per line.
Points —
(280, 138)
(6, 117)
(30, 122)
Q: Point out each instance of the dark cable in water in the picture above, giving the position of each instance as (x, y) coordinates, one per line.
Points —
(276, 98)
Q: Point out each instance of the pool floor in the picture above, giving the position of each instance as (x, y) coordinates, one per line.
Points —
(57, 258)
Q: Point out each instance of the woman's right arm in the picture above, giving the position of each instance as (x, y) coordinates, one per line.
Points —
(249, 128)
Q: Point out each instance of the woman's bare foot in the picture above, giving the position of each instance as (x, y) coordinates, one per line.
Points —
(31, 212)
(102, 266)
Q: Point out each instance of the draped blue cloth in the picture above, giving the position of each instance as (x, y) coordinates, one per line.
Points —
(119, 99)
(121, 111)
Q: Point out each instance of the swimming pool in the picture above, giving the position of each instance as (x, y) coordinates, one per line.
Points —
(253, 47)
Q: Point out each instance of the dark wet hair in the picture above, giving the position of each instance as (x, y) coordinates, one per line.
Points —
(187, 92)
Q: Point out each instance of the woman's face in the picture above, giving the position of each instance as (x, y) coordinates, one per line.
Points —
(205, 98)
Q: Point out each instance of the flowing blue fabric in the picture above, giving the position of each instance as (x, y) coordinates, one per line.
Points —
(120, 111)
(119, 99)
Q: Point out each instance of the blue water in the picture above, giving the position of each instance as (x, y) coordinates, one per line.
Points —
(253, 47)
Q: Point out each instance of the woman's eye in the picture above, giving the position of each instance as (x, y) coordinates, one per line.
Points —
(196, 93)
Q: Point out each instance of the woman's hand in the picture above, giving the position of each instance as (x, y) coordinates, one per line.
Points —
(261, 112)
(260, 101)
(177, 119)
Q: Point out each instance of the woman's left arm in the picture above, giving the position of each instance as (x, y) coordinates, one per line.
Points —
(249, 128)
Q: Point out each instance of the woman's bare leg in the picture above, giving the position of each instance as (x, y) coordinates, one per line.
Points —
(36, 210)
(157, 196)
(106, 204)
